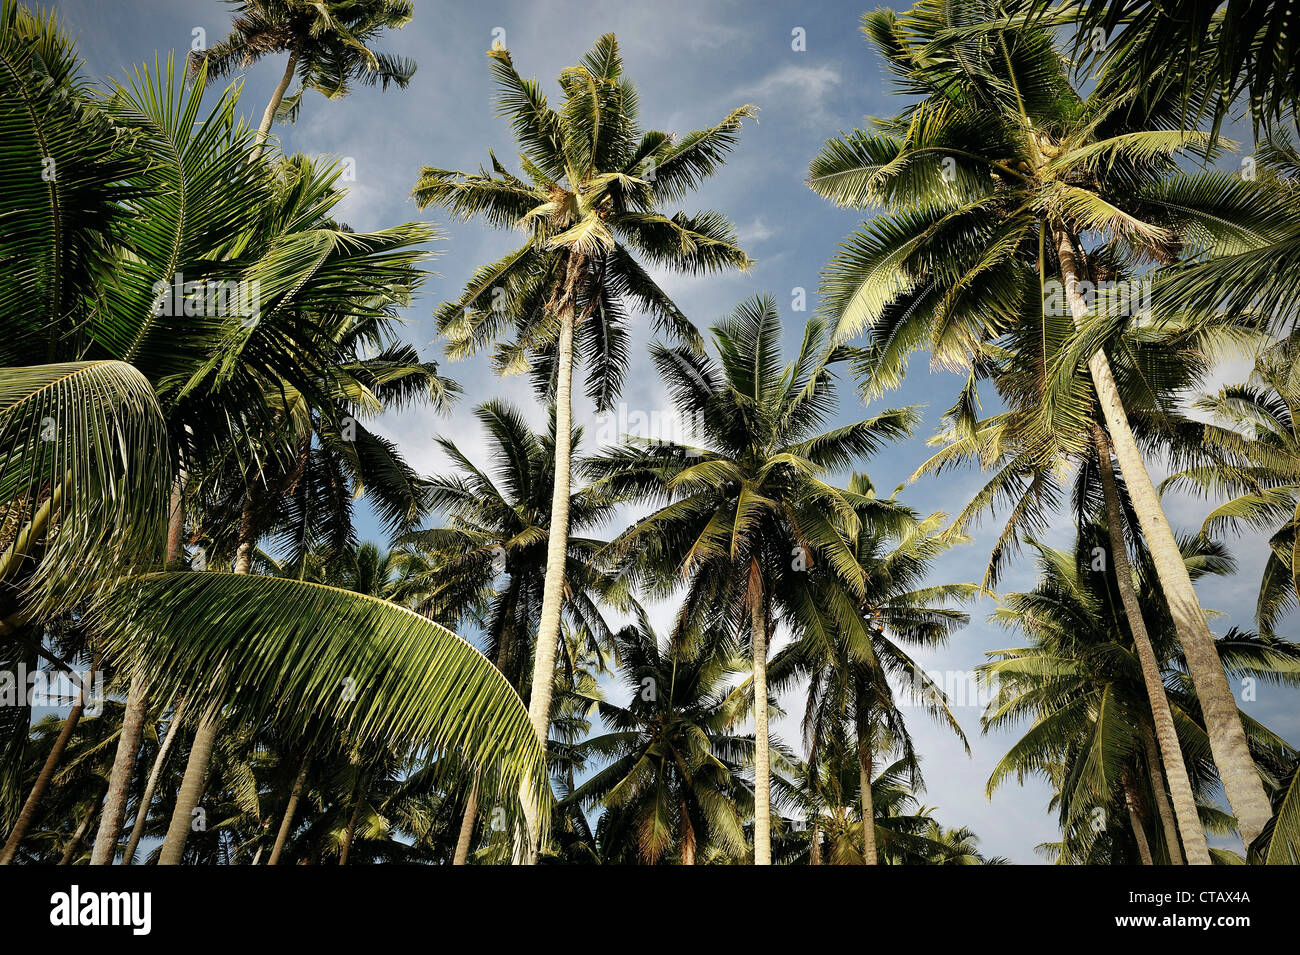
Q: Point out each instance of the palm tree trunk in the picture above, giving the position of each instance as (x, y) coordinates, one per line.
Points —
(548, 631)
(463, 839)
(191, 791)
(247, 533)
(816, 852)
(268, 116)
(28, 813)
(1237, 772)
(137, 702)
(205, 736)
(1135, 821)
(286, 824)
(119, 780)
(869, 855)
(155, 774)
(358, 794)
(1170, 752)
(1167, 819)
(762, 755)
(688, 838)
(74, 843)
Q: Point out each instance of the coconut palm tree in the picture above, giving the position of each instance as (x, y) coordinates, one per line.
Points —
(592, 201)
(745, 505)
(833, 804)
(998, 181)
(1080, 683)
(959, 847)
(328, 45)
(674, 760)
(130, 359)
(496, 526)
(849, 645)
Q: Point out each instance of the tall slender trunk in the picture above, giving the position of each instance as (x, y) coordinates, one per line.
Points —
(1135, 821)
(688, 837)
(286, 824)
(1170, 752)
(155, 774)
(1237, 772)
(137, 703)
(28, 813)
(358, 796)
(119, 780)
(268, 115)
(1168, 821)
(548, 631)
(205, 735)
(816, 853)
(464, 838)
(762, 755)
(70, 850)
(191, 791)
(869, 855)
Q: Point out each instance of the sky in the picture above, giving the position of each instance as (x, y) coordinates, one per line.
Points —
(811, 74)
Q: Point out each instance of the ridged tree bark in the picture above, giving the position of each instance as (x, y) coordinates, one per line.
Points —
(762, 754)
(1170, 755)
(816, 852)
(28, 813)
(119, 779)
(548, 631)
(155, 774)
(1237, 772)
(290, 809)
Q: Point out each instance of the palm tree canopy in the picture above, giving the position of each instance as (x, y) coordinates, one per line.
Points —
(332, 41)
(591, 205)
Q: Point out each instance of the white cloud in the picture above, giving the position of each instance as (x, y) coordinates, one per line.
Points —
(796, 90)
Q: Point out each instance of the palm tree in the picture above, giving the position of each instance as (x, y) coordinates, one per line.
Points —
(594, 195)
(998, 180)
(673, 774)
(959, 847)
(850, 645)
(834, 806)
(746, 508)
(1080, 683)
(1031, 471)
(1252, 455)
(497, 524)
(192, 203)
(328, 45)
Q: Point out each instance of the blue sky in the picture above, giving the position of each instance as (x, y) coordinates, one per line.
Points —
(693, 60)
